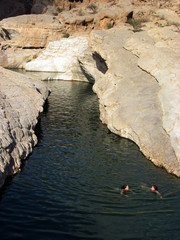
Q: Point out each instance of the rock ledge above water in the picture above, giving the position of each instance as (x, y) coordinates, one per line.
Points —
(21, 100)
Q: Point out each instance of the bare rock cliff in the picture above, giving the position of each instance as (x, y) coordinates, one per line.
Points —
(134, 64)
(139, 91)
(21, 101)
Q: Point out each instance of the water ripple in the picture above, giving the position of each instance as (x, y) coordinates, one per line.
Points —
(69, 188)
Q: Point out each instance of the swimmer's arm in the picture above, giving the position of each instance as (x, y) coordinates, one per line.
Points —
(158, 193)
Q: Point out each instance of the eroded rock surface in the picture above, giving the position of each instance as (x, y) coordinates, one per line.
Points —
(31, 31)
(136, 78)
(61, 57)
(139, 93)
(21, 101)
(135, 68)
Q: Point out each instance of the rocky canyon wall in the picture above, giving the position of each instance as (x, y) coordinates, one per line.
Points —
(139, 94)
(21, 101)
(134, 67)
(136, 77)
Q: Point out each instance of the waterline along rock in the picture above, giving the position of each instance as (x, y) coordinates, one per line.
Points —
(136, 78)
(21, 100)
(139, 93)
(61, 57)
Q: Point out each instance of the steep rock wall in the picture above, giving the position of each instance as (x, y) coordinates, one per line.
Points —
(139, 93)
(21, 101)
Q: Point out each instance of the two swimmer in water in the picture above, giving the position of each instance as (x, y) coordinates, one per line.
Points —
(153, 189)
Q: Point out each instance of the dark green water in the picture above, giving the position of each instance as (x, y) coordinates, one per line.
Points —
(69, 186)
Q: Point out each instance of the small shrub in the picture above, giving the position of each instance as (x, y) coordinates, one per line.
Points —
(80, 13)
(60, 10)
(160, 25)
(136, 23)
(92, 7)
(110, 25)
(65, 34)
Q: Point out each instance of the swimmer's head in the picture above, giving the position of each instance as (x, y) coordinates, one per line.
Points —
(125, 187)
(154, 188)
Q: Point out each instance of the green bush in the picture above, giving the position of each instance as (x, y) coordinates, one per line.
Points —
(60, 10)
(93, 8)
(65, 34)
(110, 25)
(136, 23)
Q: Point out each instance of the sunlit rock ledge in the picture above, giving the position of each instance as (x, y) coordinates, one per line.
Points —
(21, 100)
(61, 59)
(136, 77)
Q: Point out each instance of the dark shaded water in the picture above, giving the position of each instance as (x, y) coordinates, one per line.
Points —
(69, 186)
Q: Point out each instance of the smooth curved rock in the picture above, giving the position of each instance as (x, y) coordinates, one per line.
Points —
(164, 63)
(139, 94)
(21, 101)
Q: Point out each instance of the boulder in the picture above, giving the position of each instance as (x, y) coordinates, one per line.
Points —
(21, 101)
(17, 57)
(31, 31)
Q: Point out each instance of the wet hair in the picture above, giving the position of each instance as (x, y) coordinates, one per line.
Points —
(124, 186)
(155, 187)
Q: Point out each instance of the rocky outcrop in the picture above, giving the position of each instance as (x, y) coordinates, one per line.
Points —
(162, 62)
(17, 57)
(21, 101)
(61, 57)
(31, 31)
(139, 92)
(102, 16)
(135, 68)
(22, 38)
(136, 80)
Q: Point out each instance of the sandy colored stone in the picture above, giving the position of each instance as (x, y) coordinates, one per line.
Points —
(133, 102)
(62, 57)
(21, 100)
(31, 31)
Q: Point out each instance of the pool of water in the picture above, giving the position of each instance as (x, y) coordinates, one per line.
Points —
(69, 187)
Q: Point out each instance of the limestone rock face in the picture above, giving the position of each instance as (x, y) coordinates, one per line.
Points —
(21, 101)
(139, 93)
(31, 31)
(61, 57)
(163, 63)
(23, 37)
(17, 58)
(169, 15)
